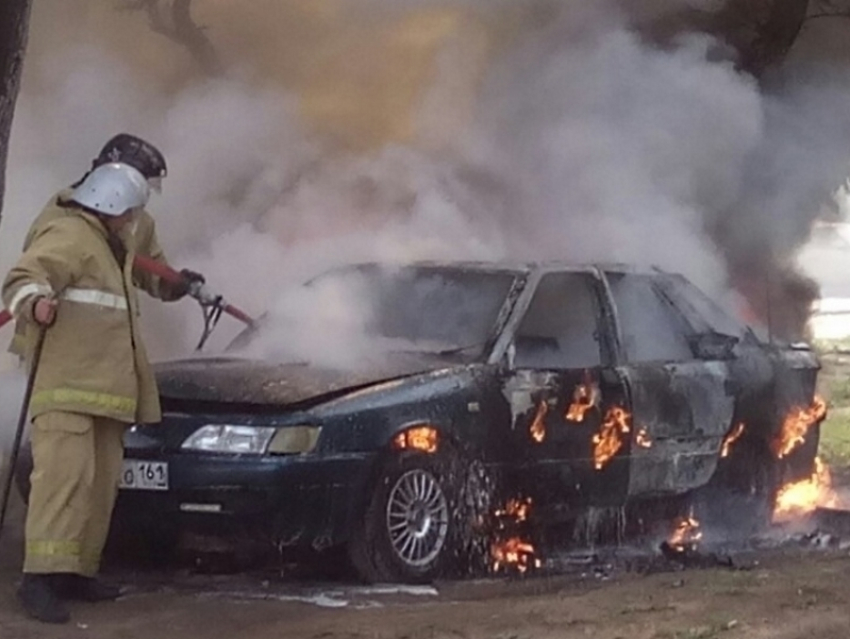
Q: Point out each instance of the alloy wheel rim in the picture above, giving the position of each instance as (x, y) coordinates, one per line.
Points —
(417, 517)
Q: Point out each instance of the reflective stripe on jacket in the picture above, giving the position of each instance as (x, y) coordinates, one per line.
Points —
(141, 240)
(93, 360)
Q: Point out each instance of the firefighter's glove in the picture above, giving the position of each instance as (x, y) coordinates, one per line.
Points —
(192, 276)
(188, 280)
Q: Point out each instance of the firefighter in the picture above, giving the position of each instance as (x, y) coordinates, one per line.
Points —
(149, 161)
(75, 281)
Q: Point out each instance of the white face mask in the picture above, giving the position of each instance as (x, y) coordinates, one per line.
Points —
(156, 184)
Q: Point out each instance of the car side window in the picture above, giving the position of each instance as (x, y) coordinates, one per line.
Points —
(651, 328)
(560, 327)
(701, 312)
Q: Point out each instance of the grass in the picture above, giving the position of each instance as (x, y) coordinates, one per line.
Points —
(832, 345)
(834, 385)
(835, 437)
(839, 389)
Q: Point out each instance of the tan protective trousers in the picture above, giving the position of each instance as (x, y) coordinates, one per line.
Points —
(77, 461)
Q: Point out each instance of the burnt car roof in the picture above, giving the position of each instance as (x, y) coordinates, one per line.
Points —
(517, 267)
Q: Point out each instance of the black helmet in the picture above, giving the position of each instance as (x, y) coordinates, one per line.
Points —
(129, 149)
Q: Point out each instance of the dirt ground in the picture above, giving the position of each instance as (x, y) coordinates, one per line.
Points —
(788, 596)
(790, 593)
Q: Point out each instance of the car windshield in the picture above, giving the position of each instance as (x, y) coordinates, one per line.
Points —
(432, 309)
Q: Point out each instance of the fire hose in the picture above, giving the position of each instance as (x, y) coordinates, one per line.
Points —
(213, 305)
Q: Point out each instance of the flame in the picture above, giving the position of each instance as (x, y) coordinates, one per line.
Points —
(423, 438)
(513, 552)
(803, 497)
(585, 397)
(609, 439)
(687, 534)
(796, 425)
(643, 439)
(516, 509)
(538, 426)
(733, 436)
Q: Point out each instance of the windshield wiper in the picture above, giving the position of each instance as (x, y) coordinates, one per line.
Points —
(456, 350)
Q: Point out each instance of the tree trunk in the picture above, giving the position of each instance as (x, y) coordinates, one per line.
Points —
(14, 20)
(762, 31)
(773, 34)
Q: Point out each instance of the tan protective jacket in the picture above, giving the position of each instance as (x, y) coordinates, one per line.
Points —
(141, 240)
(93, 361)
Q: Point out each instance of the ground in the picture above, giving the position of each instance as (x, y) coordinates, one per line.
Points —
(788, 595)
(792, 591)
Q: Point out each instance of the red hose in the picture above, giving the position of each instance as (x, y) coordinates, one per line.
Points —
(169, 275)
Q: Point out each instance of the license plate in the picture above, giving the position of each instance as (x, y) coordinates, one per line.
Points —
(144, 475)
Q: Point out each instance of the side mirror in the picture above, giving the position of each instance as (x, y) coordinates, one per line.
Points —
(713, 345)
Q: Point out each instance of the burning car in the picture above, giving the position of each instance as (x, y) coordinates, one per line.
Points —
(535, 392)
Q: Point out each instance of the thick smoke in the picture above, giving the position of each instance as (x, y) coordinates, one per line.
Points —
(425, 129)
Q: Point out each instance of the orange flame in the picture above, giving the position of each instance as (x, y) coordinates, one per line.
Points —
(609, 439)
(796, 425)
(733, 436)
(513, 552)
(643, 439)
(517, 509)
(803, 497)
(687, 534)
(585, 398)
(538, 426)
(423, 438)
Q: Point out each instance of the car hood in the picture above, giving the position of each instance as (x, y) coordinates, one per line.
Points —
(246, 381)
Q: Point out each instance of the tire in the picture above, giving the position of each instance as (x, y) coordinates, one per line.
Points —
(741, 496)
(419, 523)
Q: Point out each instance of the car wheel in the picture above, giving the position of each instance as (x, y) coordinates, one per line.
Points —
(416, 525)
(742, 494)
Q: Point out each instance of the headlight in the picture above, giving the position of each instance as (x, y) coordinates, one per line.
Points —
(293, 440)
(247, 440)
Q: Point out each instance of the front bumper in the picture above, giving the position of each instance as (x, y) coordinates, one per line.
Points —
(302, 500)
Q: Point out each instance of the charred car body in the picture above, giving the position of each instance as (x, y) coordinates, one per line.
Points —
(541, 391)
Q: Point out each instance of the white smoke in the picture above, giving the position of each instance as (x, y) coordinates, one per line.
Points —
(617, 148)
(581, 141)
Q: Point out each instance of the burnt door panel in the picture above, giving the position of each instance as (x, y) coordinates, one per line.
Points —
(684, 412)
(560, 390)
(681, 408)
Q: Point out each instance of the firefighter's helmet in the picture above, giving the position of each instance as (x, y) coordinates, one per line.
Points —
(132, 150)
(112, 189)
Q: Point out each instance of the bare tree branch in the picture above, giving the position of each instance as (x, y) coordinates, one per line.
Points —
(173, 19)
(773, 27)
(761, 31)
(193, 37)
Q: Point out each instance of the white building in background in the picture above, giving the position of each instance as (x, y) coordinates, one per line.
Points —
(827, 259)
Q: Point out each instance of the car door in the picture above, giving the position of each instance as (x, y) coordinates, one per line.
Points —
(681, 404)
(561, 385)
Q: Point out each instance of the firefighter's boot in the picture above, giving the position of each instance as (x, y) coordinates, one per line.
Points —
(80, 588)
(40, 601)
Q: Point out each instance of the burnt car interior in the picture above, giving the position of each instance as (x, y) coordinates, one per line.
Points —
(554, 331)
